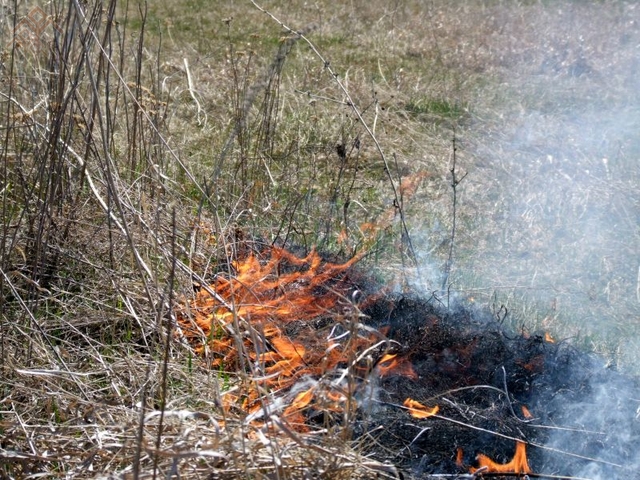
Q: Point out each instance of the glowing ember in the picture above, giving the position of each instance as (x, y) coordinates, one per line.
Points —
(417, 410)
(526, 413)
(518, 464)
(548, 337)
(536, 364)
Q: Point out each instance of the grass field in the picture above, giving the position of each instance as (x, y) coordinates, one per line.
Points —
(141, 143)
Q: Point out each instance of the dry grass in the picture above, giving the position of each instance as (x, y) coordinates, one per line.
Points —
(125, 179)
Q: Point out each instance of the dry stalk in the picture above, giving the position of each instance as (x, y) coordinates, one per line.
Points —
(192, 92)
(124, 85)
(398, 204)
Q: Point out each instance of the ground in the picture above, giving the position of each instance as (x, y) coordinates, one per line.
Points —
(144, 146)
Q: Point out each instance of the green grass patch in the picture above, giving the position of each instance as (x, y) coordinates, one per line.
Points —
(426, 107)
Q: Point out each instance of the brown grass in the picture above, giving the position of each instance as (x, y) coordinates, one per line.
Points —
(124, 180)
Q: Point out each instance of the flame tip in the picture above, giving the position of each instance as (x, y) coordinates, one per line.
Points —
(518, 464)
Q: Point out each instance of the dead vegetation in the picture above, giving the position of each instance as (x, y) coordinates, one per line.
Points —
(141, 145)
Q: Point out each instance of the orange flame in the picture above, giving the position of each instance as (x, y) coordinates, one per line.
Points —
(417, 410)
(302, 399)
(518, 464)
(548, 337)
(460, 457)
(526, 413)
(390, 364)
(293, 413)
(265, 312)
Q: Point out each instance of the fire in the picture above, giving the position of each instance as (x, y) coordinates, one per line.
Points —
(548, 337)
(293, 413)
(518, 464)
(286, 321)
(417, 410)
(263, 316)
(390, 364)
(266, 295)
(526, 413)
(287, 358)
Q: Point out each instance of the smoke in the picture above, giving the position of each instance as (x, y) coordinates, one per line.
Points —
(549, 212)
(562, 173)
(603, 423)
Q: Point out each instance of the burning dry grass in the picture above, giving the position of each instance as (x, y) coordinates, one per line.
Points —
(213, 117)
(336, 373)
(280, 318)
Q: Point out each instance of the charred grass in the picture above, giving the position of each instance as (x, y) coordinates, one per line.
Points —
(142, 144)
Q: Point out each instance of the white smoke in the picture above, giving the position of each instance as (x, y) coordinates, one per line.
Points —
(549, 212)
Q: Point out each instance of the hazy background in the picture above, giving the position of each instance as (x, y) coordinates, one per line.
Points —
(549, 213)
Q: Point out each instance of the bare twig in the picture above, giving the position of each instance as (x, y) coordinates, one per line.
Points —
(250, 95)
(43, 334)
(143, 111)
(508, 398)
(455, 181)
